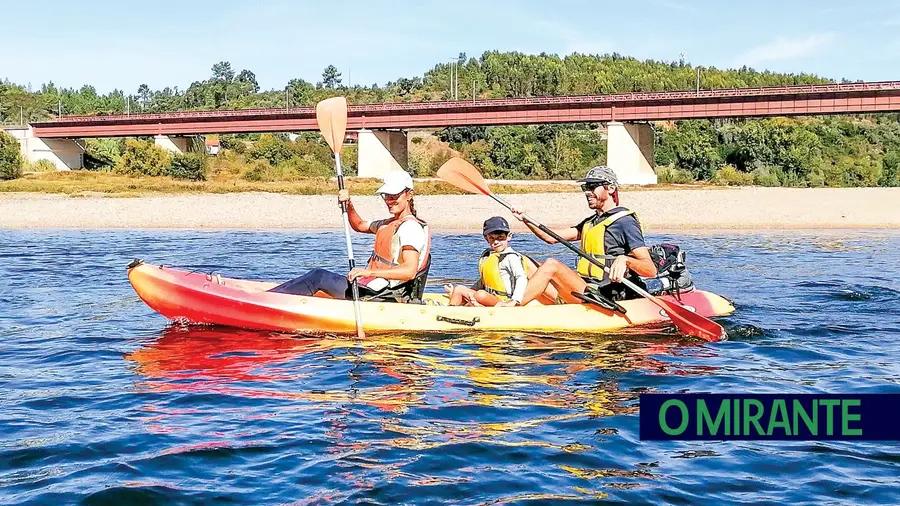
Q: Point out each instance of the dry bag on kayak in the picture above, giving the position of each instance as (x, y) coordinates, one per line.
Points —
(672, 275)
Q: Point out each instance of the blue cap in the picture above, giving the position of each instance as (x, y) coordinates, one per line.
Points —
(495, 224)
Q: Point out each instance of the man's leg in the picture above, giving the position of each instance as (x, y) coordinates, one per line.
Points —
(554, 272)
(335, 285)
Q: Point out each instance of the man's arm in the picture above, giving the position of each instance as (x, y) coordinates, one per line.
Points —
(569, 234)
(640, 262)
(637, 258)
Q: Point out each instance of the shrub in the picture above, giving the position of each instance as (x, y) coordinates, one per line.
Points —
(232, 143)
(189, 166)
(105, 153)
(304, 166)
(764, 177)
(730, 176)
(260, 170)
(10, 157)
(42, 165)
(671, 175)
(144, 158)
(272, 149)
(429, 163)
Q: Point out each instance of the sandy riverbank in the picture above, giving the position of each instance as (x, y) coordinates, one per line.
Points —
(671, 210)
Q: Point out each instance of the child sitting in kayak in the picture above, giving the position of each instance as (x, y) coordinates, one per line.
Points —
(503, 276)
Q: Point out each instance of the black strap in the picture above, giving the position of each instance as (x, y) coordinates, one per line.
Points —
(593, 296)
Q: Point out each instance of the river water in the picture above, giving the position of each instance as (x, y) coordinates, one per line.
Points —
(104, 402)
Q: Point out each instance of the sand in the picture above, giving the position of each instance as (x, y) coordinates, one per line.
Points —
(660, 210)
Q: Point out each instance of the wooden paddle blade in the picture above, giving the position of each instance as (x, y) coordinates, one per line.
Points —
(463, 175)
(331, 115)
(693, 324)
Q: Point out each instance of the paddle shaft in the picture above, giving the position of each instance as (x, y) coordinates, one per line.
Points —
(355, 285)
(576, 249)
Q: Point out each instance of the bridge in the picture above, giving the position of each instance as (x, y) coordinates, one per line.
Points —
(381, 126)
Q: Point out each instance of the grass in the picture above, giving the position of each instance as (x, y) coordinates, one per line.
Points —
(88, 183)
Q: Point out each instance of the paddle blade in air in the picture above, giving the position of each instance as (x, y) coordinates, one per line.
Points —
(463, 175)
(331, 115)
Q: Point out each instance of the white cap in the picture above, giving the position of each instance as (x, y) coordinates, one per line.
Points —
(396, 181)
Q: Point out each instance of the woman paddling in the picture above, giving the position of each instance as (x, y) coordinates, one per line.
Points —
(399, 263)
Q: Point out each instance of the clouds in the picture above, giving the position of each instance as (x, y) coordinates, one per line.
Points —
(783, 48)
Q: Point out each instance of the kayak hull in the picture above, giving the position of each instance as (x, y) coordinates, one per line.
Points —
(202, 298)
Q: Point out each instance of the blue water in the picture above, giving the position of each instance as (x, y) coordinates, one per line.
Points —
(104, 403)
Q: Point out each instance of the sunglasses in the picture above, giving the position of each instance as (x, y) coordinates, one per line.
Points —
(589, 187)
(393, 196)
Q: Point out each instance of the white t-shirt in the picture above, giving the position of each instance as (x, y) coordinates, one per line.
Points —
(411, 233)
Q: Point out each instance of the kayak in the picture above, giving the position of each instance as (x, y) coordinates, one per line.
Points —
(204, 298)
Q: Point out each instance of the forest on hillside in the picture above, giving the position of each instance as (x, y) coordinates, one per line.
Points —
(813, 151)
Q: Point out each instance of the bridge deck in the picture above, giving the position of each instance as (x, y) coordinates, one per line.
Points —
(747, 102)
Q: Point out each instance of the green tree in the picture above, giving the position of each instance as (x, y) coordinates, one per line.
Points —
(10, 157)
(144, 95)
(300, 92)
(223, 72)
(692, 146)
(331, 78)
(104, 153)
(190, 166)
(143, 158)
(272, 149)
(248, 79)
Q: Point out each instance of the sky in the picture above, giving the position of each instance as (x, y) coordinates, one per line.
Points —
(122, 44)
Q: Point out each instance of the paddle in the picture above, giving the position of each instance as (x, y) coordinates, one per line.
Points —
(331, 115)
(466, 177)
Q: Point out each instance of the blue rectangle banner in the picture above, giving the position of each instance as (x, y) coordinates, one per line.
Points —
(811, 417)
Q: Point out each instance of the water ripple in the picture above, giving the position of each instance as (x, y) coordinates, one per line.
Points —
(106, 403)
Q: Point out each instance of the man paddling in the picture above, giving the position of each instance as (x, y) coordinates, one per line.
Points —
(612, 234)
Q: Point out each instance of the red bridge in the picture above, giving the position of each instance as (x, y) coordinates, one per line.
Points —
(627, 107)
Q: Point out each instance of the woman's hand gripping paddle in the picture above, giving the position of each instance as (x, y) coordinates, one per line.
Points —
(466, 177)
(331, 115)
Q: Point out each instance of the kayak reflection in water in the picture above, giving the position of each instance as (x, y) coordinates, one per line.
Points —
(398, 267)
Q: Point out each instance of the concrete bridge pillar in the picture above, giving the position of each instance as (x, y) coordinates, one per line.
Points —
(630, 152)
(177, 145)
(380, 152)
(66, 154)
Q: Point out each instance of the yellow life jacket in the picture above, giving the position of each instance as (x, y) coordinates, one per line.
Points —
(593, 236)
(489, 268)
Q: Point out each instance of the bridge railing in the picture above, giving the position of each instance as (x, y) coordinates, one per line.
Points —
(362, 109)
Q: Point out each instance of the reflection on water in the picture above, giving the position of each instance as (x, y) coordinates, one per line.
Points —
(385, 403)
(204, 415)
(540, 379)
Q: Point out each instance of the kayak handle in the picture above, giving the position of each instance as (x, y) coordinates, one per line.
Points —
(459, 321)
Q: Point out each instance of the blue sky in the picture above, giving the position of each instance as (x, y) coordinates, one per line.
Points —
(121, 44)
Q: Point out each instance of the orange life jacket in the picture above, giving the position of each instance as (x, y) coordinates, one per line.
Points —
(383, 256)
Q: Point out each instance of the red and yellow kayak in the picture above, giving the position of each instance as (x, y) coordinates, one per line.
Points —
(203, 298)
